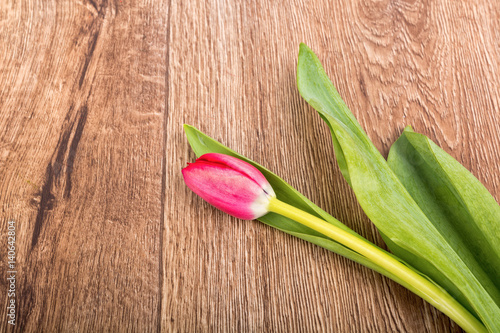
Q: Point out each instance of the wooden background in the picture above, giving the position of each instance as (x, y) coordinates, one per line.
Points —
(93, 96)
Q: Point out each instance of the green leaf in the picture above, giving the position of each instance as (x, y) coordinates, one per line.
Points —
(202, 144)
(406, 228)
(458, 205)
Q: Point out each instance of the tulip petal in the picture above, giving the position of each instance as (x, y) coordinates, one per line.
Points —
(225, 183)
(235, 163)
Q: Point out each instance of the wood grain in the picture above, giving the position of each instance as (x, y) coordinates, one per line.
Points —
(83, 99)
(93, 96)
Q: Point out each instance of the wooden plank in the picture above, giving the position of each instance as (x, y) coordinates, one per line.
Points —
(81, 125)
(430, 64)
(92, 100)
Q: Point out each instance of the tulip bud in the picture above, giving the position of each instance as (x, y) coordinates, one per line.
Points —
(230, 184)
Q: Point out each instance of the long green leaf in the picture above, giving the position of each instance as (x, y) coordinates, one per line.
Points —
(408, 231)
(458, 205)
(202, 144)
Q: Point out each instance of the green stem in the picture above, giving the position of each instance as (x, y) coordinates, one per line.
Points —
(436, 296)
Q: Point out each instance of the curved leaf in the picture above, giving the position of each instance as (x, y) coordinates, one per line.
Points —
(408, 231)
(456, 203)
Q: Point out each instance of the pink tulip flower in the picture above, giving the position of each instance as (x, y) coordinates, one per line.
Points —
(230, 184)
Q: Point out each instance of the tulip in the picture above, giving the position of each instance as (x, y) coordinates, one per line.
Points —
(230, 184)
(239, 189)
